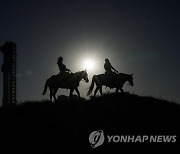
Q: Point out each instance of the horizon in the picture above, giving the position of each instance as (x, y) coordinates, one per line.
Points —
(139, 38)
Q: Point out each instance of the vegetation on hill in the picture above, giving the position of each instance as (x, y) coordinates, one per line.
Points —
(50, 127)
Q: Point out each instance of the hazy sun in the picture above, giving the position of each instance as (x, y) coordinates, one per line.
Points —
(89, 64)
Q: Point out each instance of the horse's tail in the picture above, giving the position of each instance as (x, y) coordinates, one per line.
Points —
(45, 87)
(91, 87)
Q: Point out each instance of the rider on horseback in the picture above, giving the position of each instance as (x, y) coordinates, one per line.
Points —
(110, 70)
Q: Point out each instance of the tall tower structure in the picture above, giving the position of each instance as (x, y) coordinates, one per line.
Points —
(9, 73)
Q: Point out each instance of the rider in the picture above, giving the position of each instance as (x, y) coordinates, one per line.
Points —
(109, 68)
(62, 76)
(62, 67)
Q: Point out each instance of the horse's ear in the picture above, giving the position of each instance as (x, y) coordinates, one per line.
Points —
(85, 70)
(131, 74)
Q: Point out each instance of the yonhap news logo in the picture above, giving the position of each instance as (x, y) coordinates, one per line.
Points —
(97, 138)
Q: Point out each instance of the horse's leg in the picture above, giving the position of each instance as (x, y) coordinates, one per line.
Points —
(50, 95)
(54, 93)
(117, 89)
(96, 90)
(122, 90)
(70, 94)
(100, 89)
(77, 91)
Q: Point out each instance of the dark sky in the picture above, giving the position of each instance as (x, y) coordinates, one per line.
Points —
(139, 37)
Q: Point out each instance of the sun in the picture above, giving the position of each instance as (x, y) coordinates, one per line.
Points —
(89, 64)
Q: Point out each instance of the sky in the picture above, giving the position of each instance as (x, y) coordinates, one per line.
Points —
(140, 37)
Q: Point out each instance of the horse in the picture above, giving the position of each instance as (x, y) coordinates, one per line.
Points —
(69, 81)
(111, 80)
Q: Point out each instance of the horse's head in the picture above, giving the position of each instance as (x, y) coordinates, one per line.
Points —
(130, 79)
(85, 76)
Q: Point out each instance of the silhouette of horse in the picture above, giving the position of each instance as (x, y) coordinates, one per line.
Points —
(71, 81)
(113, 81)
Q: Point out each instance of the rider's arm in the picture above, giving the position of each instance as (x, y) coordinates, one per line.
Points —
(66, 68)
(113, 68)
